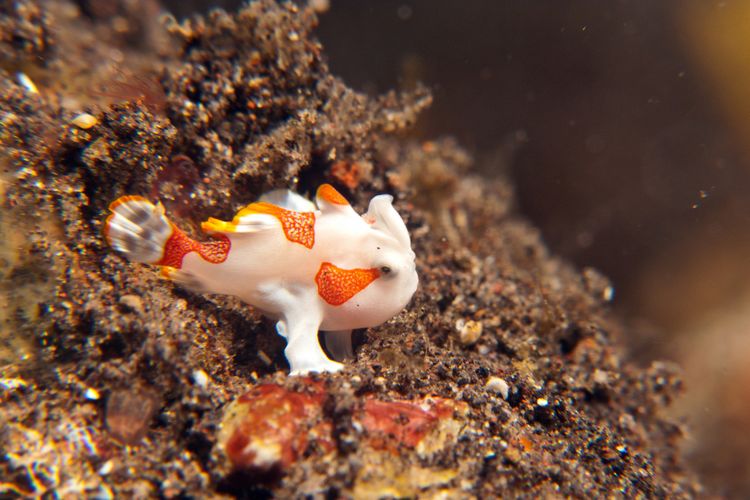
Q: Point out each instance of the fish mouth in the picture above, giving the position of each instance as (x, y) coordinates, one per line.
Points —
(414, 283)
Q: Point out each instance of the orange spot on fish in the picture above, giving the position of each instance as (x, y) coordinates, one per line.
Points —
(124, 199)
(336, 285)
(180, 244)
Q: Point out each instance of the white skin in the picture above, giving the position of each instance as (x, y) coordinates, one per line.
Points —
(277, 276)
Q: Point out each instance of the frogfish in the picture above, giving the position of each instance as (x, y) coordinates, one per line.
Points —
(311, 266)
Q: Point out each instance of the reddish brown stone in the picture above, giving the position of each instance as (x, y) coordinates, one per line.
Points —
(270, 427)
(405, 422)
(129, 412)
(350, 174)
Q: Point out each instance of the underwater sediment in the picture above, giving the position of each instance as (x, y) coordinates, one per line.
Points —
(505, 376)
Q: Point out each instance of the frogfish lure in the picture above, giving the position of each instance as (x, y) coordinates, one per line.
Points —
(311, 266)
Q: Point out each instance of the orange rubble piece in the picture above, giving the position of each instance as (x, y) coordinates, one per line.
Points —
(347, 173)
(269, 428)
(408, 422)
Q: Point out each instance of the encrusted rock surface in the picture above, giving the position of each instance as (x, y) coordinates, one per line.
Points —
(249, 104)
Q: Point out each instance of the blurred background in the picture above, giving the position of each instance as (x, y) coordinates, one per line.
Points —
(626, 128)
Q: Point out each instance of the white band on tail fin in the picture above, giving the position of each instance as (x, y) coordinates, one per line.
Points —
(138, 228)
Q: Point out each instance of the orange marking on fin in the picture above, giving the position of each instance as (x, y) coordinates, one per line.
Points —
(218, 226)
(336, 285)
(105, 229)
(328, 193)
(166, 272)
(180, 244)
(299, 227)
(124, 199)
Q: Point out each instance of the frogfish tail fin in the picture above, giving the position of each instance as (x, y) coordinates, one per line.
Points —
(138, 228)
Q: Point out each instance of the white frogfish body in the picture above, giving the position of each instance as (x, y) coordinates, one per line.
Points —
(311, 266)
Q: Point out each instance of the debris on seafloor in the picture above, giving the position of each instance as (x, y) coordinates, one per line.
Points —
(84, 121)
(469, 331)
(129, 412)
(27, 83)
(123, 87)
(250, 101)
(266, 431)
(498, 385)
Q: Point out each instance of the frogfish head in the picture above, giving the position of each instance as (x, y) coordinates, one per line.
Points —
(390, 253)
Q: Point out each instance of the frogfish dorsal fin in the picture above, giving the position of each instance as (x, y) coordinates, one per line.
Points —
(298, 227)
(329, 199)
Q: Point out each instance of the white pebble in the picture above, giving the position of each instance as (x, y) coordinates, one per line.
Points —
(200, 378)
(600, 377)
(10, 384)
(497, 384)
(91, 394)
(27, 83)
(106, 468)
(84, 121)
(132, 302)
(468, 331)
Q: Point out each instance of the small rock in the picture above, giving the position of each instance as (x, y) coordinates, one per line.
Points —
(469, 331)
(545, 412)
(200, 379)
(512, 454)
(129, 411)
(600, 377)
(27, 83)
(11, 384)
(106, 468)
(269, 428)
(499, 385)
(91, 394)
(264, 357)
(597, 284)
(132, 303)
(410, 423)
(84, 121)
